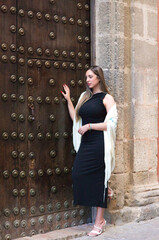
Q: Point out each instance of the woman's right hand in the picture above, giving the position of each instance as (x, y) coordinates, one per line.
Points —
(67, 92)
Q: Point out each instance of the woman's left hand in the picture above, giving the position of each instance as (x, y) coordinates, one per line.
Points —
(83, 129)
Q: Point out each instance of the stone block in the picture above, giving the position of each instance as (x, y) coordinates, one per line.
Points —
(125, 215)
(117, 183)
(109, 80)
(111, 17)
(138, 86)
(120, 124)
(153, 176)
(119, 54)
(145, 122)
(128, 148)
(128, 122)
(152, 25)
(151, 86)
(157, 210)
(145, 54)
(118, 77)
(115, 82)
(122, 51)
(119, 17)
(138, 21)
(141, 155)
(119, 158)
(127, 87)
(113, 52)
(104, 24)
(140, 178)
(127, 22)
(150, 3)
(104, 52)
(147, 212)
(127, 53)
(135, 214)
(153, 151)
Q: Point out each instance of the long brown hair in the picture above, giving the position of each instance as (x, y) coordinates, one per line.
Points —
(88, 94)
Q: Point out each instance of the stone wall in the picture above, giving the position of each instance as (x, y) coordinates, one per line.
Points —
(144, 91)
(124, 44)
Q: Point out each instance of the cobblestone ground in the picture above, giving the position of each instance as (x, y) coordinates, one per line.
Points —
(146, 230)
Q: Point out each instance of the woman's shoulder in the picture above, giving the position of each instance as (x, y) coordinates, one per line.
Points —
(82, 94)
(108, 99)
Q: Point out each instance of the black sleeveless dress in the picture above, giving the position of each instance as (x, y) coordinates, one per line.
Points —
(89, 168)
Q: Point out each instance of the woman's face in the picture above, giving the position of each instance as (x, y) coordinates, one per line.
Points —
(91, 79)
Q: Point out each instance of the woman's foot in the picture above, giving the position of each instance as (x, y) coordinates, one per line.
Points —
(97, 229)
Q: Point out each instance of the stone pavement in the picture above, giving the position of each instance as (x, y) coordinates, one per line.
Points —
(146, 230)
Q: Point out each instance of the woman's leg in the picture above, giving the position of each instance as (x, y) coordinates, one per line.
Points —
(99, 222)
(99, 217)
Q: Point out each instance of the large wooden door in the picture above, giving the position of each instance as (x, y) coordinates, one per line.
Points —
(44, 44)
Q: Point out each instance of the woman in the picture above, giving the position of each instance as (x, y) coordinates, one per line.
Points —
(90, 124)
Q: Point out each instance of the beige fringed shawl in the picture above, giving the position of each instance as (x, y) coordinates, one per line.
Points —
(109, 139)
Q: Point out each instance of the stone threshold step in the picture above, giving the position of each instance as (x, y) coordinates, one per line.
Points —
(62, 234)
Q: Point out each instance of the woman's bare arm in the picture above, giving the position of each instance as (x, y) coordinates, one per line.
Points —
(66, 95)
(108, 102)
(71, 109)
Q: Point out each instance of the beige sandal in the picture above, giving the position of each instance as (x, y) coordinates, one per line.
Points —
(96, 233)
